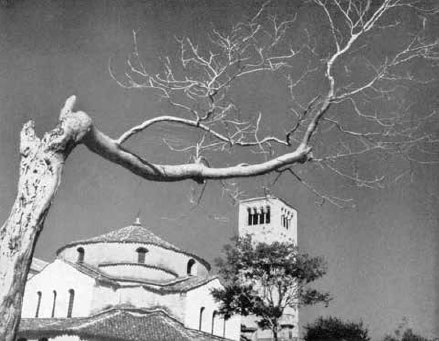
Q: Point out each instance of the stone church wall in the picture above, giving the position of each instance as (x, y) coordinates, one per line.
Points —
(142, 298)
(53, 286)
(200, 305)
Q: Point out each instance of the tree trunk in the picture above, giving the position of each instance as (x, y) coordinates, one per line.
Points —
(41, 165)
(275, 337)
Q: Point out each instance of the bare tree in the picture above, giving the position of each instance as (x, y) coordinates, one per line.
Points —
(329, 126)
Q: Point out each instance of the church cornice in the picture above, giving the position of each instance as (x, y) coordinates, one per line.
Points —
(176, 285)
(103, 265)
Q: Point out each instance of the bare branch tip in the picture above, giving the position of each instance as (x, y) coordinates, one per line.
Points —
(68, 105)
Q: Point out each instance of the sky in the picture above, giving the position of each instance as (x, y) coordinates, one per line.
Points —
(382, 255)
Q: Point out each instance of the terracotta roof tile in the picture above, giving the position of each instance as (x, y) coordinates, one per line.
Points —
(115, 324)
(37, 265)
(128, 234)
(188, 284)
(177, 285)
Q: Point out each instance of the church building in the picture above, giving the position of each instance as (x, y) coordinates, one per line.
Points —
(131, 285)
(125, 285)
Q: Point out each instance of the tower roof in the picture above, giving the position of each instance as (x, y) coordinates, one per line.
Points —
(134, 233)
(266, 198)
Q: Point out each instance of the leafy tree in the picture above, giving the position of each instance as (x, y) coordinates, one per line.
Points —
(265, 279)
(334, 329)
(345, 93)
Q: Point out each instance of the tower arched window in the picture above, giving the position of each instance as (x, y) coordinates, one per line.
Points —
(71, 301)
(262, 216)
(255, 216)
(37, 311)
(214, 318)
(267, 215)
(190, 267)
(141, 252)
(81, 255)
(201, 318)
(54, 303)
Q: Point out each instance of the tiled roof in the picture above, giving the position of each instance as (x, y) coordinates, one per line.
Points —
(115, 324)
(188, 284)
(93, 273)
(127, 234)
(155, 267)
(37, 265)
(133, 234)
(178, 285)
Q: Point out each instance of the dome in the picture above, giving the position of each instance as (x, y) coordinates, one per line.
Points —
(133, 234)
(127, 234)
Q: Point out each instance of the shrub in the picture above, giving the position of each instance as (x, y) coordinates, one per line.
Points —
(334, 329)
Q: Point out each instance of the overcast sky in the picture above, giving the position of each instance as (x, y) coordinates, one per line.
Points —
(382, 255)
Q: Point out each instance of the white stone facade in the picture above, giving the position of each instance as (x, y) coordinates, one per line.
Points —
(117, 270)
(54, 284)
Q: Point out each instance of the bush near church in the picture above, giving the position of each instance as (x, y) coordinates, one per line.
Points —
(405, 333)
(334, 329)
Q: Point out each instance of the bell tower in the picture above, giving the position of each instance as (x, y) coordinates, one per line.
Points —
(267, 219)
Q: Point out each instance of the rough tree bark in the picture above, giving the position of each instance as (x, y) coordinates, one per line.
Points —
(41, 166)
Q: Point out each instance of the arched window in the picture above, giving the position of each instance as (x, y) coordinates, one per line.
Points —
(54, 303)
(71, 301)
(190, 267)
(201, 318)
(250, 216)
(81, 255)
(37, 311)
(141, 252)
(262, 216)
(214, 317)
(255, 216)
(267, 215)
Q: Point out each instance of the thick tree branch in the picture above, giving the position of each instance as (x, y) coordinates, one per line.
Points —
(111, 150)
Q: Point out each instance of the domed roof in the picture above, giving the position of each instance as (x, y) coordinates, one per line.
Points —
(134, 233)
(129, 234)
